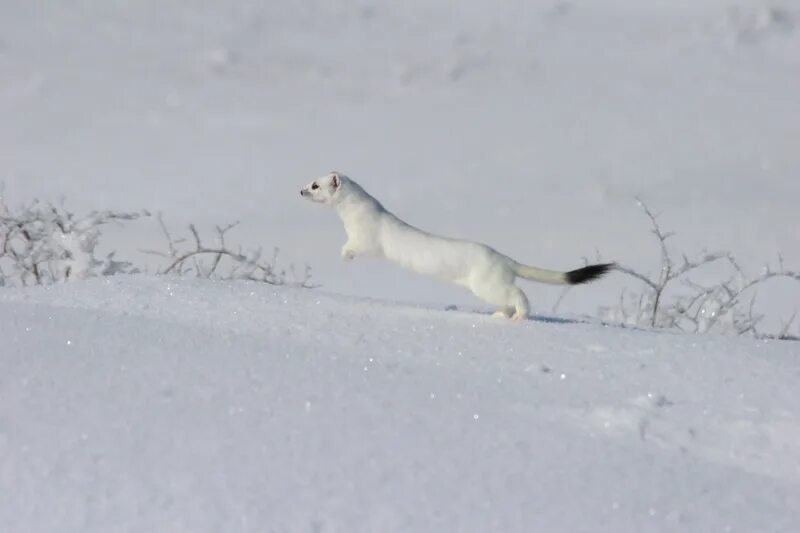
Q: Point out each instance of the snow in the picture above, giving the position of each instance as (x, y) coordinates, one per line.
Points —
(160, 404)
(149, 404)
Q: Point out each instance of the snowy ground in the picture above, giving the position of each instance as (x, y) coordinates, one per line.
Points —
(146, 404)
(153, 404)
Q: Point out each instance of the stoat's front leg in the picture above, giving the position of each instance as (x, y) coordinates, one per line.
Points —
(347, 253)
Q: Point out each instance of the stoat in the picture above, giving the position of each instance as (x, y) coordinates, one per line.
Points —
(374, 231)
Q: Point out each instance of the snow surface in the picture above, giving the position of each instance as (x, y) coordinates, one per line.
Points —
(153, 404)
(157, 404)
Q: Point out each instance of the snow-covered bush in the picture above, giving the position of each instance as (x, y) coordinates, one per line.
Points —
(671, 299)
(43, 243)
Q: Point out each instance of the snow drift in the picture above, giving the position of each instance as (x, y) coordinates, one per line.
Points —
(157, 404)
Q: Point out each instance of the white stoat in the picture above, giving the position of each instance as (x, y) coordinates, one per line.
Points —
(374, 231)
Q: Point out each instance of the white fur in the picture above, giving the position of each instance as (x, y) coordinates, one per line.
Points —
(373, 231)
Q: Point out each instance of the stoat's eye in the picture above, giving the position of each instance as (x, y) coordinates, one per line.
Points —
(314, 186)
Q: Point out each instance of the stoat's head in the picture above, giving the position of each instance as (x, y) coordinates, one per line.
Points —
(326, 189)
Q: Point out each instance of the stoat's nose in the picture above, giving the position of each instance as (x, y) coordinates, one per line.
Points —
(302, 192)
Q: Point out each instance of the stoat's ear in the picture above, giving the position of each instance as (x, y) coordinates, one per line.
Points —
(336, 181)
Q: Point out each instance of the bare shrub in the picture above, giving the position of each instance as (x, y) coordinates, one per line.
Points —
(192, 257)
(671, 299)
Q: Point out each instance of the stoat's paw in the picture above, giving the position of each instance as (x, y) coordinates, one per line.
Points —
(519, 316)
(503, 313)
(348, 255)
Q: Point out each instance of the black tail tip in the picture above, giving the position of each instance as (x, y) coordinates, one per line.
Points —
(588, 273)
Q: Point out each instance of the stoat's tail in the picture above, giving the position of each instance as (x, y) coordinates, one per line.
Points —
(573, 277)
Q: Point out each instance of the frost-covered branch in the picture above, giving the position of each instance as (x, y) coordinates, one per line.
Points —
(670, 270)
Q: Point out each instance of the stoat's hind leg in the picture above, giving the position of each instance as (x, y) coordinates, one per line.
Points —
(511, 299)
(520, 304)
